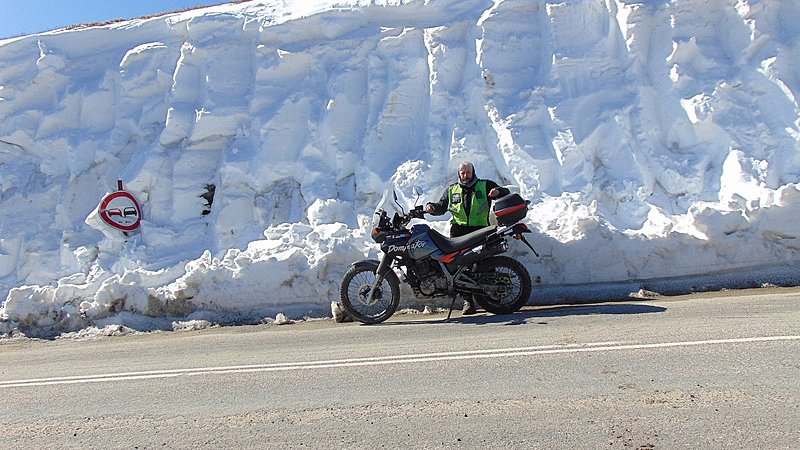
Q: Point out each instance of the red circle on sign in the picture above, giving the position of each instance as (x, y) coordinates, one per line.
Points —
(121, 210)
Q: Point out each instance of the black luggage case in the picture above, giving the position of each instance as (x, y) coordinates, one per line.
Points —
(510, 209)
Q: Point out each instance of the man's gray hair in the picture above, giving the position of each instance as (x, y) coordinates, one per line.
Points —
(466, 163)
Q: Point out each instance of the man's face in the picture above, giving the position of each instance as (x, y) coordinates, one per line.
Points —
(464, 174)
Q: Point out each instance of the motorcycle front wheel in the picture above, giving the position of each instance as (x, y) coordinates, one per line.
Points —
(356, 286)
(506, 285)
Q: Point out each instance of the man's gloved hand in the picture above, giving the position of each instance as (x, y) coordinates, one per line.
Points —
(429, 208)
(494, 193)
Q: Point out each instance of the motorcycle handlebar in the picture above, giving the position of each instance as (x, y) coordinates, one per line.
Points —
(399, 221)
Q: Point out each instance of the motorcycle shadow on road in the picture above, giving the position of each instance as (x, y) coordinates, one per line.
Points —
(538, 314)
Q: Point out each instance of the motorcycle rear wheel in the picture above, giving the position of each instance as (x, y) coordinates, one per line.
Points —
(507, 285)
(356, 285)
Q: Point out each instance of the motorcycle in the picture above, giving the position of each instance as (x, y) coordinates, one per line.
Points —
(434, 265)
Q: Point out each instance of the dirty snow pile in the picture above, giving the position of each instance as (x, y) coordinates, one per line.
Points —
(656, 140)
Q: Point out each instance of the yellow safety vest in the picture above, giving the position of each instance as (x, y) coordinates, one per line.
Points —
(479, 207)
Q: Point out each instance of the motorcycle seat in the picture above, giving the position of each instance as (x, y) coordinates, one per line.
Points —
(450, 245)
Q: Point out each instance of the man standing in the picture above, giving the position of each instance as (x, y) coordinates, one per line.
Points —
(469, 202)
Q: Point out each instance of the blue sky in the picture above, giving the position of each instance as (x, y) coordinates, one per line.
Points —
(34, 16)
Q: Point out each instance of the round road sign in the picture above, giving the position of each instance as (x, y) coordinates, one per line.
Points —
(120, 210)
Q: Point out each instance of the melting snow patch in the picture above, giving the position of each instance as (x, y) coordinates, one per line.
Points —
(97, 333)
(643, 293)
(281, 319)
(191, 325)
(339, 314)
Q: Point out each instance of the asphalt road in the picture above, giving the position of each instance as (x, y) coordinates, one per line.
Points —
(702, 371)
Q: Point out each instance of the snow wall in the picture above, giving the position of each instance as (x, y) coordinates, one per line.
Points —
(657, 140)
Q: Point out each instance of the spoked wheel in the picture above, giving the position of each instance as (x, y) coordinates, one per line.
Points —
(355, 295)
(506, 285)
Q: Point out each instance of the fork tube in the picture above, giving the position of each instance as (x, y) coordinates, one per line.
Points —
(383, 266)
(379, 272)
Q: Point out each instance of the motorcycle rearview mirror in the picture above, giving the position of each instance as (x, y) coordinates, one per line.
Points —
(418, 192)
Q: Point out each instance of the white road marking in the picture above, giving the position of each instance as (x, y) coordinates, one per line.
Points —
(381, 360)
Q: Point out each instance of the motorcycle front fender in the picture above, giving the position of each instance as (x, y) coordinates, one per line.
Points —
(380, 267)
(370, 264)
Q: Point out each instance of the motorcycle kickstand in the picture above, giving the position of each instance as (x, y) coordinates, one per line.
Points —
(451, 308)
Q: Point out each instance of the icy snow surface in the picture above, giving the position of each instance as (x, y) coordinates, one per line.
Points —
(656, 140)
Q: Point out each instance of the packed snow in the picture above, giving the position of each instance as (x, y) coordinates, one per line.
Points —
(658, 142)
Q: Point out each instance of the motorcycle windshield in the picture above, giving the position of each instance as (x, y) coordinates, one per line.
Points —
(389, 204)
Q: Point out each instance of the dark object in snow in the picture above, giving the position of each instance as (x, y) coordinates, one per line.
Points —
(208, 196)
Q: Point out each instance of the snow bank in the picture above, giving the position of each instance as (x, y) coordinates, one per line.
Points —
(655, 140)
